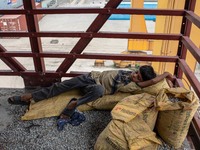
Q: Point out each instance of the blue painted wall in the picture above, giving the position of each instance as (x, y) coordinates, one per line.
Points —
(127, 17)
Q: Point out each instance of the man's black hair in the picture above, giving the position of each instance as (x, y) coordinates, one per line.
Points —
(147, 72)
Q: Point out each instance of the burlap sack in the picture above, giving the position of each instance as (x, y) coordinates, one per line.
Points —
(133, 135)
(175, 114)
(139, 135)
(154, 89)
(149, 115)
(131, 106)
(50, 107)
(108, 102)
(131, 127)
(104, 143)
(54, 106)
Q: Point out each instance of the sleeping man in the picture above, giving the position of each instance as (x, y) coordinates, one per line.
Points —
(94, 85)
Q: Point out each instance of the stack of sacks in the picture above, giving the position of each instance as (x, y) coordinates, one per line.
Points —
(177, 107)
(54, 106)
(135, 117)
(133, 120)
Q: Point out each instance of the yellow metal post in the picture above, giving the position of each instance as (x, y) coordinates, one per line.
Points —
(137, 24)
(136, 46)
(172, 24)
(167, 24)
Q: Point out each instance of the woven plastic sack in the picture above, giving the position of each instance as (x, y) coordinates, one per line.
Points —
(131, 106)
(108, 102)
(50, 107)
(127, 136)
(54, 106)
(133, 120)
(154, 89)
(177, 107)
(104, 143)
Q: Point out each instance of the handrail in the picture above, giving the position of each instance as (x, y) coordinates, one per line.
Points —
(193, 18)
(41, 75)
(106, 56)
(89, 10)
(191, 47)
(121, 35)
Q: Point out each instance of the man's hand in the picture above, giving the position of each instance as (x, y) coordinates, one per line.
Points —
(169, 76)
(170, 79)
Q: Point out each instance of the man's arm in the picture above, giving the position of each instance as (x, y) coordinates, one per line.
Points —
(156, 80)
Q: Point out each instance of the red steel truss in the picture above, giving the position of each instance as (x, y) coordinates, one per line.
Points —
(41, 77)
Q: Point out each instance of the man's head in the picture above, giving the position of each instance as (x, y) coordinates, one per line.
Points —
(147, 72)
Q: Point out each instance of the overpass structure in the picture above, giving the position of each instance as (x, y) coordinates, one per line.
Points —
(40, 76)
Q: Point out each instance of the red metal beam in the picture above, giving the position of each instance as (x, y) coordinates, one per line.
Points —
(12, 11)
(157, 36)
(179, 83)
(193, 18)
(190, 76)
(46, 74)
(122, 35)
(9, 73)
(196, 122)
(182, 66)
(83, 42)
(185, 31)
(195, 51)
(40, 76)
(35, 42)
(194, 135)
(13, 63)
(78, 10)
(106, 56)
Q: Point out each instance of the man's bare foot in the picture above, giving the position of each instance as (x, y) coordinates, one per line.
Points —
(17, 100)
(70, 108)
(26, 97)
(72, 105)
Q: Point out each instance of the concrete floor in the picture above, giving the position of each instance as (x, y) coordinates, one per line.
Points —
(42, 134)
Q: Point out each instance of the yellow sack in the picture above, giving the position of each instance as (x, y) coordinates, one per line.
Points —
(104, 143)
(177, 107)
(133, 135)
(107, 102)
(49, 107)
(54, 106)
(140, 136)
(131, 106)
(134, 118)
(150, 116)
(154, 89)
(115, 135)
